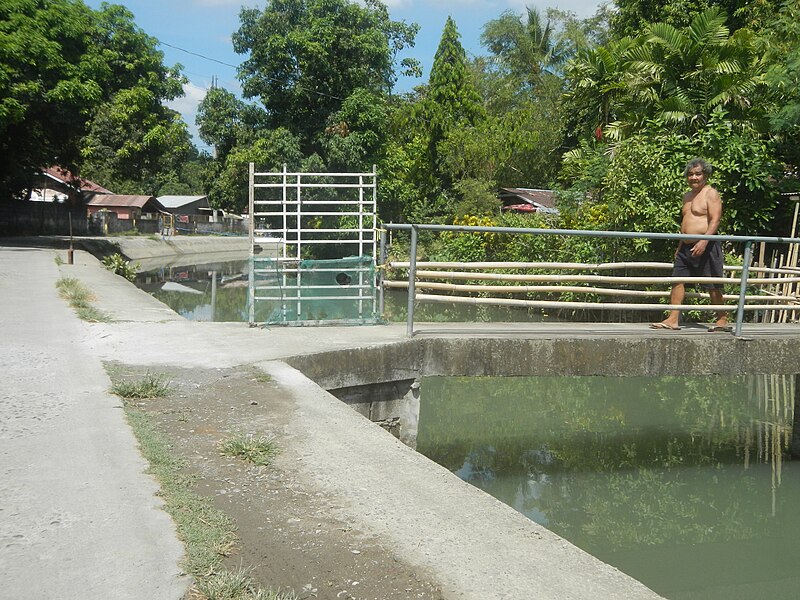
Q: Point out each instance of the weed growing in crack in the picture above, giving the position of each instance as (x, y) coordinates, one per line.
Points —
(80, 299)
(236, 585)
(150, 386)
(259, 450)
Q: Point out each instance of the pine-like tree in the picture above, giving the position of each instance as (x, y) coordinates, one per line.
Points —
(452, 100)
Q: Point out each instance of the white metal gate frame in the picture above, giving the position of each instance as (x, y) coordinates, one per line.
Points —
(291, 208)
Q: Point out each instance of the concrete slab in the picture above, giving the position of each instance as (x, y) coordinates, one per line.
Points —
(78, 516)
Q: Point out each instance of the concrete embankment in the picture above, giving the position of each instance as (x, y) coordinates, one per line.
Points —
(172, 250)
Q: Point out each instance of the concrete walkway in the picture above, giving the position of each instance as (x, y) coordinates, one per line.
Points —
(78, 516)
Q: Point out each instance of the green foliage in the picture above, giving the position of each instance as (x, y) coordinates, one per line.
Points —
(152, 385)
(679, 76)
(258, 450)
(306, 56)
(355, 134)
(643, 185)
(237, 585)
(82, 85)
(783, 57)
(117, 264)
(632, 16)
(528, 50)
(80, 299)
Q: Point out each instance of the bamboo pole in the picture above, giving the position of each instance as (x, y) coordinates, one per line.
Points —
(587, 278)
(578, 305)
(528, 289)
(552, 265)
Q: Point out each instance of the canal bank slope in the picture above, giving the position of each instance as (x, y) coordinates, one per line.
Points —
(388, 513)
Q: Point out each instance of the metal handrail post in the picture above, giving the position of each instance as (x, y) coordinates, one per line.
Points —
(381, 269)
(748, 256)
(412, 275)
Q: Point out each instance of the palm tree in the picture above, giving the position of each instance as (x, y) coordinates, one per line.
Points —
(681, 76)
(526, 50)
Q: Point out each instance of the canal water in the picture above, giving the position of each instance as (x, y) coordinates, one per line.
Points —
(218, 291)
(684, 483)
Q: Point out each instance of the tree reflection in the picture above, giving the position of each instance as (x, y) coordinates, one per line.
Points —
(619, 463)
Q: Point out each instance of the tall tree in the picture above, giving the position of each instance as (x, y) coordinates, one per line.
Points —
(48, 85)
(527, 50)
(307, 56)
(452, 100)
(83, 88)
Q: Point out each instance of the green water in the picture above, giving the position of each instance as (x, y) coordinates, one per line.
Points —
(684, 483)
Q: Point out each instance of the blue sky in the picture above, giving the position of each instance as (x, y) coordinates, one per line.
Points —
(188, 28)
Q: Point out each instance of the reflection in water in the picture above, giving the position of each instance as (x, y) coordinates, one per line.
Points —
(684, 483)
(202, 292)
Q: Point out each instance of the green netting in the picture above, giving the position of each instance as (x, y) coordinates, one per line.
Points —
(337, 291)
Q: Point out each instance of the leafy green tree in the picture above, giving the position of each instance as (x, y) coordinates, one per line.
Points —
(219, 116)
(597, 88)
(449, 103)
(48, 85)
(632, 16)
(83, 88)
(356, 133)
(783, 78)
(683, 75)
(306, 57)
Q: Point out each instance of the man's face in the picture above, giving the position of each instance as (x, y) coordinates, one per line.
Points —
(696, 177)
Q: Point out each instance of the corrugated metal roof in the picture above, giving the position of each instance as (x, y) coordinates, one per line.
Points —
(544, 198)
(178, 201)
(124, 200)
(65, 176)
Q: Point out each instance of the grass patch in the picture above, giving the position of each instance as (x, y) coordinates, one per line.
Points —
(80, 299)
(260, 377)
(236, 585)
(59, 260)
(150, 386)
(208, 533)
(259, 450)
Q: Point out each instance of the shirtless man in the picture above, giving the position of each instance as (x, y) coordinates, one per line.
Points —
(701, 213)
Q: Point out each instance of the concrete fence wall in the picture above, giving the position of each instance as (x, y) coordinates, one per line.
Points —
(41, 218)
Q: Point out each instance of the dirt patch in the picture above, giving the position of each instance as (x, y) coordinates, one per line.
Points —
(288, 539)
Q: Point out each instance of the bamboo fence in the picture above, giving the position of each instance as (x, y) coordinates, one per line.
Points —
(772, 290)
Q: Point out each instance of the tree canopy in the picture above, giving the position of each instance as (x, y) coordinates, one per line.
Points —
(83, 88)
(306, 57)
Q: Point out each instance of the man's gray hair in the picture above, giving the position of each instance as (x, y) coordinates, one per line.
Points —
(698, 162)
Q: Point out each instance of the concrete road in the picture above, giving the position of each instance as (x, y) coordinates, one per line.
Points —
(78, 516)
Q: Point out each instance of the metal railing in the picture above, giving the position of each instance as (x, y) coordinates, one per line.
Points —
(748, 242)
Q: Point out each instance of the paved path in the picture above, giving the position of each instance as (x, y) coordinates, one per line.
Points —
(78, 516)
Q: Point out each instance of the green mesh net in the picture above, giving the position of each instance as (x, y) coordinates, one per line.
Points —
(334, 291)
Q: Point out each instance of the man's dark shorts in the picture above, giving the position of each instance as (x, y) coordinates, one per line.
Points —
(708, 264)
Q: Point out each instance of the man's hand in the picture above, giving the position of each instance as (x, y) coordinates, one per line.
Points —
(699, 247)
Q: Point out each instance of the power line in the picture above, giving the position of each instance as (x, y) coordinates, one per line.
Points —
(198, 55)
(272, 80)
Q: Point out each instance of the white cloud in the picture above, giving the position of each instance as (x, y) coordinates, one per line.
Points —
(187, 106)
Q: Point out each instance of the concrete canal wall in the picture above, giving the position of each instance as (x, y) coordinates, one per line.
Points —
(509, 357)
